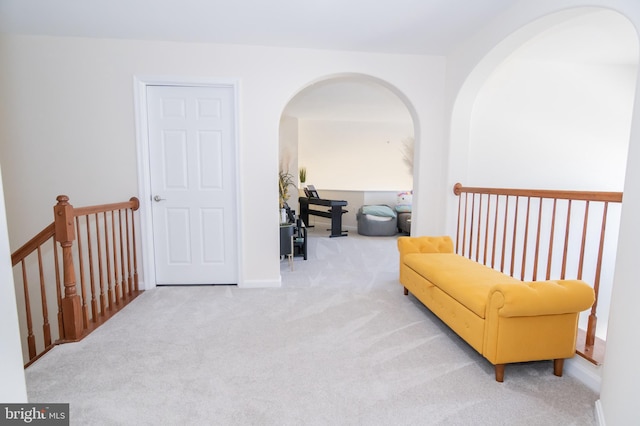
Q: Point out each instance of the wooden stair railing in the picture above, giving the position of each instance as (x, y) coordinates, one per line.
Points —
(105, 254)
(517, 231)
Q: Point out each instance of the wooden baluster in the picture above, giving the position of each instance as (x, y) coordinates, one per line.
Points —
(83, 291)
(551, 235)
(46, 328)
(56, 263)
(486, 232)
(495, 233)
(464, 228)
(128, 245)
(504, 233)
(31, 339)
(125, 284)
(65, 234)
(513, 243)
(110, 283)
(479, 228)
(472, 223)
(458, 224)
(526, 240)
(136, 206)
(92, 281)
(535, 257)
(584, 239)
(103, 293)
(566, 242)
(593, 319)
(115, 258)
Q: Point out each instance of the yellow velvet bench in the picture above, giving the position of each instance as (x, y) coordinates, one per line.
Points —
(506, 320)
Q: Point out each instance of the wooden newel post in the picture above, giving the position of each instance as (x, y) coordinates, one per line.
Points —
(65, 235)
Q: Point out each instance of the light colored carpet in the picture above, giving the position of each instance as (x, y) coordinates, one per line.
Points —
(338, 344)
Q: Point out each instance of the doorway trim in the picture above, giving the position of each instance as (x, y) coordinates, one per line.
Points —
(140, 84)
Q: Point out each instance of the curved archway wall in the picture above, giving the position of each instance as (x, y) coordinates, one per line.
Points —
(350, 131)
(467, 68)
(556, 114)
(561, 103)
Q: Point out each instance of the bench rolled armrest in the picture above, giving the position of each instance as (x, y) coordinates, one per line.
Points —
(541, 298)
(407, 245)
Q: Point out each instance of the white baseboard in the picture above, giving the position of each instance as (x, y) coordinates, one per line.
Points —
(599, 414)
(586, 372)
(244, 284)
(260, 283)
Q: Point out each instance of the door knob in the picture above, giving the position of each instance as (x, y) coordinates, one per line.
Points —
(157, 198)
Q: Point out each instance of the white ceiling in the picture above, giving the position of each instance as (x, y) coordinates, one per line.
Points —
(390, 26)
(386, 26)
(604, 37)
(431, 27)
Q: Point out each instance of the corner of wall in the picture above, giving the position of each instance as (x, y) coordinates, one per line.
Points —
(599, 414)
(584, 371)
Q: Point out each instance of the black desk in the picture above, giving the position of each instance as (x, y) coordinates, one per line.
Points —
(335, 213)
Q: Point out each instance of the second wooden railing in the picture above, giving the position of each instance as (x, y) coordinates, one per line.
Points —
(96, 244)
(543, 234)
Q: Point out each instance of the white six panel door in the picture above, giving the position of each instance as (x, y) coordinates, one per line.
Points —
(192, 166)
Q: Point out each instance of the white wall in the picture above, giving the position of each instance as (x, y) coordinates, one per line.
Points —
(289, 145)
(350, 155)
(12, 386)
(562, 93)
(68, 122)
(467, 68)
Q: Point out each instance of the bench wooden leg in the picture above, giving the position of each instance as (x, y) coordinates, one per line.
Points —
(500, 373)
(558, 364)
(406, 291)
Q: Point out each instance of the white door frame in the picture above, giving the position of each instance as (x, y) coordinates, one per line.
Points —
(140, 84)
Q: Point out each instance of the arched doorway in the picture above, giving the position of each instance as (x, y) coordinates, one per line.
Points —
(354, 135)
(551, 108)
